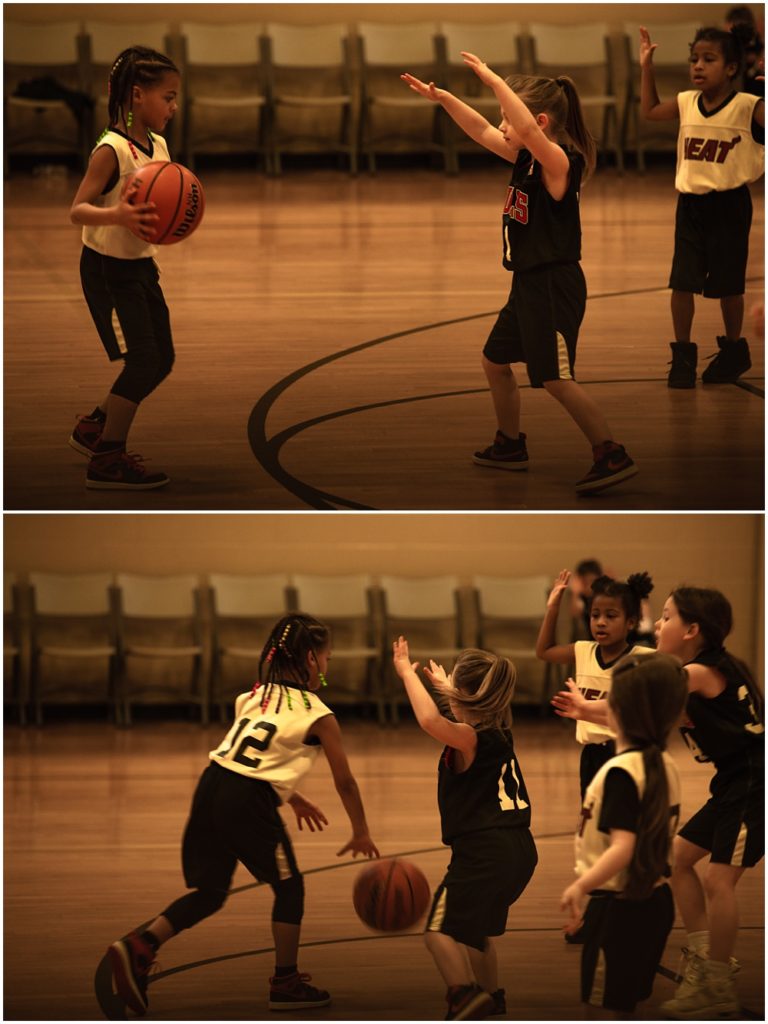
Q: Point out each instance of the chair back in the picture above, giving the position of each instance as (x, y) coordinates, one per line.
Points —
(70, 594)
(306, 46)
(245, 597)
(157, 597)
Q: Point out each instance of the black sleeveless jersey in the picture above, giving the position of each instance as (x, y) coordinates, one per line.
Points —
(726, 729)
(538, 229)
(491, 793)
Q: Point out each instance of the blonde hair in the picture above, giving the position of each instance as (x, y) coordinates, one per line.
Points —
(558, 98)
(483, 684)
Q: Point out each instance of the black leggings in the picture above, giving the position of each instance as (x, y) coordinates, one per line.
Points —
(193, 907)
(130, 314)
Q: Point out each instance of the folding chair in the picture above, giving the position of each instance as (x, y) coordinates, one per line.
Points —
(225, 90)
(311, 104)
(508, 612)
(160, 632)
(392, 117)
(583, 53)
(427, 612)
(244, 608)
(72, 626)
(348, 605)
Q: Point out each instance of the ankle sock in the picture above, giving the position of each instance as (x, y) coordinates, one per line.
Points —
(151, 940)
(98, 414)
(698, 942)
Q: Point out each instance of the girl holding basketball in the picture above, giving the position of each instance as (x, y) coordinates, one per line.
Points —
(721, 149)
(543, 135)
(623, 845)
(118, 273)
(278, 729)
(485, 818)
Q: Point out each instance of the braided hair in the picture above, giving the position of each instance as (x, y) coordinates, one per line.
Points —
(138, 65)
(637, 587)
(284, 657)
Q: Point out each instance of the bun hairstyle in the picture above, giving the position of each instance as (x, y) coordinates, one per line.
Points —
(483, 685)
(637, 587)
(648, 695)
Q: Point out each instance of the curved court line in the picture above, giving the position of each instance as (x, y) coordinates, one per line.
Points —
(267, 450)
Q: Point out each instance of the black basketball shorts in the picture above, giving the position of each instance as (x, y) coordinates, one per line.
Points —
(623, 944)
(234, 818)
(731, 824)
(711, 243)
(539, 325)
(487, 873)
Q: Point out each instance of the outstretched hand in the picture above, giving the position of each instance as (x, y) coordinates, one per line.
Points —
(428, 91)
(569, 703)
(401, 657)
(646, 48)
(360, 844)
(558, 587)
(483, 72)
(436, 673)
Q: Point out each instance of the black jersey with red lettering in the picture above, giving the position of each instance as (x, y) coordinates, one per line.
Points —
(538, 229)
(725, 728)
(491, 793)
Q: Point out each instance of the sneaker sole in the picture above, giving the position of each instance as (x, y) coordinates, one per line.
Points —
(81, 448)
(110, 485)
(493, 464)
(723, 380)
(482, 999)
(603, 485)
(298, 1005)
(682, 387)
(700, 1013)
(121, 972)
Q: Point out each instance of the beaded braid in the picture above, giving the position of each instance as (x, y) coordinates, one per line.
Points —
(285, 651)
(138, 65)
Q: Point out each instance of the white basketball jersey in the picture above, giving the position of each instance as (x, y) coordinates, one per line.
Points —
(112, 239)
(716, 150)
(594, 683)
(591, 843)
(270, 745)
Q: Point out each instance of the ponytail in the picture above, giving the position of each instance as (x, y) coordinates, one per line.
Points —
(650, 859)
(575, 125)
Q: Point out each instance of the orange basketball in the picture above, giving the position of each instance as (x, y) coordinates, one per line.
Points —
(177, 195)
(390, 895)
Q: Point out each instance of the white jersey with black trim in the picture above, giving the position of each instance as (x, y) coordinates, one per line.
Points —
(271, 744)
(113, 239)
(716, 150)
(594, 683)
(591, 843)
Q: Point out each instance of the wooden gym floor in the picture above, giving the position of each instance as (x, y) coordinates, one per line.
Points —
(92, 849)
(328, 334)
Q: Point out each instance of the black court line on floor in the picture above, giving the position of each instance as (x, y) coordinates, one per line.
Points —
(267, 450)
(113, 1007)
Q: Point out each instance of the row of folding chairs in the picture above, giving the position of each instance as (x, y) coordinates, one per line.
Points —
(268, 89)
(123, 640)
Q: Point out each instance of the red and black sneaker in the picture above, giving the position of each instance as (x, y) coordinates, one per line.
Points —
(122, 471)
(504, 453)
(499, 1003)
(611, 466)
(469, 1002)
(293, 993)
(131, 959)
(86, 435)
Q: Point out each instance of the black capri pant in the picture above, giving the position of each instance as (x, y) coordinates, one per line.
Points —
(130, 314)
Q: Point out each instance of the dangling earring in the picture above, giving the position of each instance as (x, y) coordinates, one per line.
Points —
(321, 677)
(129, 120)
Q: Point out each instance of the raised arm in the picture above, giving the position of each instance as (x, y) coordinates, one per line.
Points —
(651, 106)
(526, 127)
(470, 121)
(546, 648)
(452, 734)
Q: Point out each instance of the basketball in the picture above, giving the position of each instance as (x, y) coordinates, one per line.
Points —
(390, 895)
(178, 196)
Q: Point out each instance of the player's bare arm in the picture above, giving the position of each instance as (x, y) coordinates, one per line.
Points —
(651, 107)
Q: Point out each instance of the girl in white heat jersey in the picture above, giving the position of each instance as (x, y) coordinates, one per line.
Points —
(720, 150)
(278, 729)
(624, 841)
